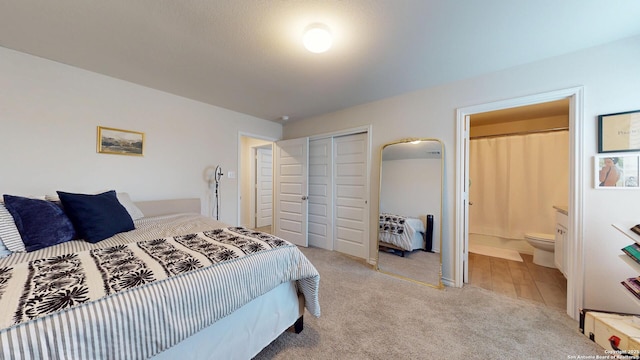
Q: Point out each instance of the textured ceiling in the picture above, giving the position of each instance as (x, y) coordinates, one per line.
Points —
(246, 55)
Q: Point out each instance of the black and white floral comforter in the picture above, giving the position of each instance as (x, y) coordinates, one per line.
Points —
(398, 230)
(134, 295)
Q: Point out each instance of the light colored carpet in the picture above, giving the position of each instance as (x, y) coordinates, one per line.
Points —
(370, 315)
(495, 252)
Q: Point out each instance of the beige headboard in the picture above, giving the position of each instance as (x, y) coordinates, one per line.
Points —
(165, 207)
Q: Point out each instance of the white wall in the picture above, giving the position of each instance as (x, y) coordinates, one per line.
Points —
(48, 118)
(610, 75)
(410, 187)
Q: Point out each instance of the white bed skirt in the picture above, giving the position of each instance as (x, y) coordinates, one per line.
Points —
(246, 331)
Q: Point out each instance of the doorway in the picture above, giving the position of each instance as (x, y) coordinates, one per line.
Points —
(519, 174)
(255, 171)
(575, 280)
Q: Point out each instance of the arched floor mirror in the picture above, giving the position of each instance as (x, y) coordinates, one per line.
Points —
(409, 231)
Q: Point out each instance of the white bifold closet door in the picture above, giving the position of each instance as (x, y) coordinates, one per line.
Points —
(335, 217)
(321, 193)
(351, 194)
(290, 190)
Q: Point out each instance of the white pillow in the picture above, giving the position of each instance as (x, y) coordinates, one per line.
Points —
(132, 209)
(52, 198)
(9, 235)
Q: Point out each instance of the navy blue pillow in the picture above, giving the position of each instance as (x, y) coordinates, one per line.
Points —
(40, 223)
(96, 217)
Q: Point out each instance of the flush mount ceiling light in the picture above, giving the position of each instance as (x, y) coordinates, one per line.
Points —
(317, 38)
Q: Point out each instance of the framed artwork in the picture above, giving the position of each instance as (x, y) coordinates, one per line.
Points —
(619, 132)
(121, 142)
(617, 171)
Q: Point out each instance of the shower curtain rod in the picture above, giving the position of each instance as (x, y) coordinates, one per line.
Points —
(521, 133)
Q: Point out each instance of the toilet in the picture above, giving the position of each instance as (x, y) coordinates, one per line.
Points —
(543, 248)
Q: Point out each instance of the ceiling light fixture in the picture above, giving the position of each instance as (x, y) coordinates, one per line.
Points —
(317, 38)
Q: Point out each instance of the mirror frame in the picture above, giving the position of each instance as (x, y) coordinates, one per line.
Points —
(440, 284)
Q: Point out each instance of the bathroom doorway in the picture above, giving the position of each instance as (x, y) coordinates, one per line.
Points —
(519, 170)
(575, 278)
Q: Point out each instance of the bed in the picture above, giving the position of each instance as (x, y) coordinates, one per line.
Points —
(180, 285)
(402, 234)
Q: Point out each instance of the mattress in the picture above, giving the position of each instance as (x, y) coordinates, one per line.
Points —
(139, 321)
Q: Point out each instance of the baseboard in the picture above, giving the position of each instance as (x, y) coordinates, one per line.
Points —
(448, 282)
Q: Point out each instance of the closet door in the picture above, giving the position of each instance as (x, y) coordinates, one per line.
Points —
(264, 187)
(290, 192)
(321, 193)
(351, 195)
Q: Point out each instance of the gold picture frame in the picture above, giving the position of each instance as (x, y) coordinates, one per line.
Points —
(120, 142)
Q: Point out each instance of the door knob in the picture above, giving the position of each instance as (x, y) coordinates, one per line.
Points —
(305, 197)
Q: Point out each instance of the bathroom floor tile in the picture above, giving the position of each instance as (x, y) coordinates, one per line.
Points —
(500, 271)
(520, 273)
(524, 280)
(528, 291)
(553, 295)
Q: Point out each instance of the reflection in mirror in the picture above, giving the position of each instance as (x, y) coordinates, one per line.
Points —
(409, 237)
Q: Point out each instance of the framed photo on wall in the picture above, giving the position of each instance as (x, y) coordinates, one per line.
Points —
(619, 132)
(120, 142)
(617, 171)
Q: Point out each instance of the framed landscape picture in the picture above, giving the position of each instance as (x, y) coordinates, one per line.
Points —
(121, 142)
(619, 132)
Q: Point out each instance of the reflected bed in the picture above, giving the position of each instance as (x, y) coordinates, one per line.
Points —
(403, 234)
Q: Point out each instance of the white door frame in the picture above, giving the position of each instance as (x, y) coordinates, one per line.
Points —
(239, 169)
(575, 255)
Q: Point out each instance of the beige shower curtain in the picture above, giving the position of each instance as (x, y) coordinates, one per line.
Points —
(515, 181)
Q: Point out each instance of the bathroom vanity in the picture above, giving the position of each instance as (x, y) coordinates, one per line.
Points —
(562, 223)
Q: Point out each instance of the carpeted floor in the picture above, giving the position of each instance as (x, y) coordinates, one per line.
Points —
(370, 315)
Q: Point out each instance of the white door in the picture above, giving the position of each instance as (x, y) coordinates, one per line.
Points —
(466, 202)
(351, 195)
(321, 193)
(290, 190)
(264, 187)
